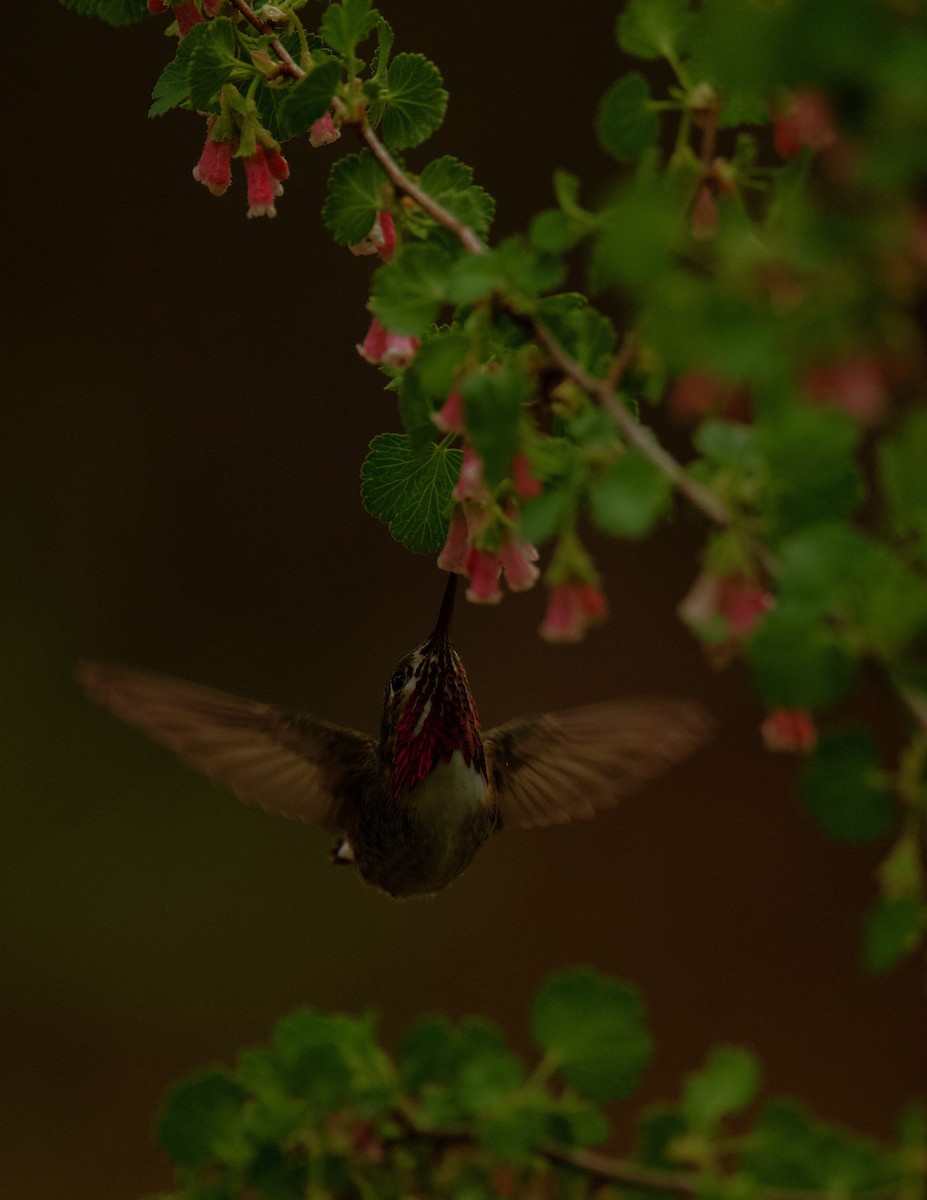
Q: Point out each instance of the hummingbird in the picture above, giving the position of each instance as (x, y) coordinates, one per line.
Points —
(410, 810)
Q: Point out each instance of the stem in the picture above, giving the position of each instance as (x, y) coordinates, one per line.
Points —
(289, 64)
(602, 1168)
(465, 235)
(639, 436)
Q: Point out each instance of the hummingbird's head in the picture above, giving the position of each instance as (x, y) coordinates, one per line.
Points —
(428, 711)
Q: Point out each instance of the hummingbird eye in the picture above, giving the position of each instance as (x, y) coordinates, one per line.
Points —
(397, 681)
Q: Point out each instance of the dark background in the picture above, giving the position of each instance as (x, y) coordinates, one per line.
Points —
(185, 421)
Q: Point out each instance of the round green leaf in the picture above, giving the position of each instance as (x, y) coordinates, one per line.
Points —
(410, 493)
(593, 1027)
(626, 124)
(841, 791)
(200, 1113)
(414, 102)
(727, 1082)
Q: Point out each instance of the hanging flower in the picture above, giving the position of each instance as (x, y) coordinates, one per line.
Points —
(380, 240)
(790, 730)
(724, 611)
(523, 478)
(517, 558)
(265, 170)
(453, 556)
(572, 607)
(470, 483)
(450, 417)
(323, 132)
(806, 119)
(390, 349)
(187, 15)
(855, 385)
(483, 568)
(214, 168)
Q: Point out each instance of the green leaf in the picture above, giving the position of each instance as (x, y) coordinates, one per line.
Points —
(411, 494)
(512, 1134)
(904, 479)
(728, 444)
(426, 1053)
(659, 1127)
(736, 47)
(199, 1114)
(408, 293)
(893, 928)
(450, 182)
(513, 266)
(385, 38)
(173, 85)
(841, 789)
(308, 99)
(414, 101)
(574, 1122)
(211, 62)
(637, 232)
(554, 231)
(654, 28)
(625, 123)
(356, 193)
(346, 24)
(593, 1028)
(586, 334)
(114, 12)
(728, 1082)
(789, 1148)
(812, 472)
(428, 381)
(796, 661)
(493, 403)
(542, 517)
(631, 496)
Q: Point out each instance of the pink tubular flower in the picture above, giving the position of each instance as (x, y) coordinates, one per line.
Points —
(380, 240)
(470, 484)
(522, 477)
(517, 558)
(805, 120)
(572, 607)
(215, 166)
(704, 219)
(855, 385)
(789, 730)
(724, 610)
(390, 349)
(483, 568)
(187, 15)
(453, 556)
(263, 185)
(450, 417)
(323, 132)
(157, 6)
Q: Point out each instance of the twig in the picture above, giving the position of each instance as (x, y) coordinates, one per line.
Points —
(601, 1168)
(266, 28)
(633, 430)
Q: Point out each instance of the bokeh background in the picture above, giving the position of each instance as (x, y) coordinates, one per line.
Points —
(184, 423)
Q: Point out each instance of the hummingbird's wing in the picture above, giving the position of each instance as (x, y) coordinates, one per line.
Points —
(288, 763)
(560, 766)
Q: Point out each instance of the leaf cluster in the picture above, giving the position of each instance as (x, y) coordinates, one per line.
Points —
(325, 1111)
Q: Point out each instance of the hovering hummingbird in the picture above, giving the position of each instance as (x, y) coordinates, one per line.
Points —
(410, 811)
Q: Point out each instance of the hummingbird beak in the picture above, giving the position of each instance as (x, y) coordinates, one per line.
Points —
(443, 627)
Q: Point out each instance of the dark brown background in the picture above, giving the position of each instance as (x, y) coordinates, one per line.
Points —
(185, 422)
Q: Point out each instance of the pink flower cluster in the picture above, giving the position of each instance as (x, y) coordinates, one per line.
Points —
(185, 12)
(513, 558)
(265, 171)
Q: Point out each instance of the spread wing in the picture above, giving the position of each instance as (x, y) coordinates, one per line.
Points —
(561, 766)
(288, 763)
